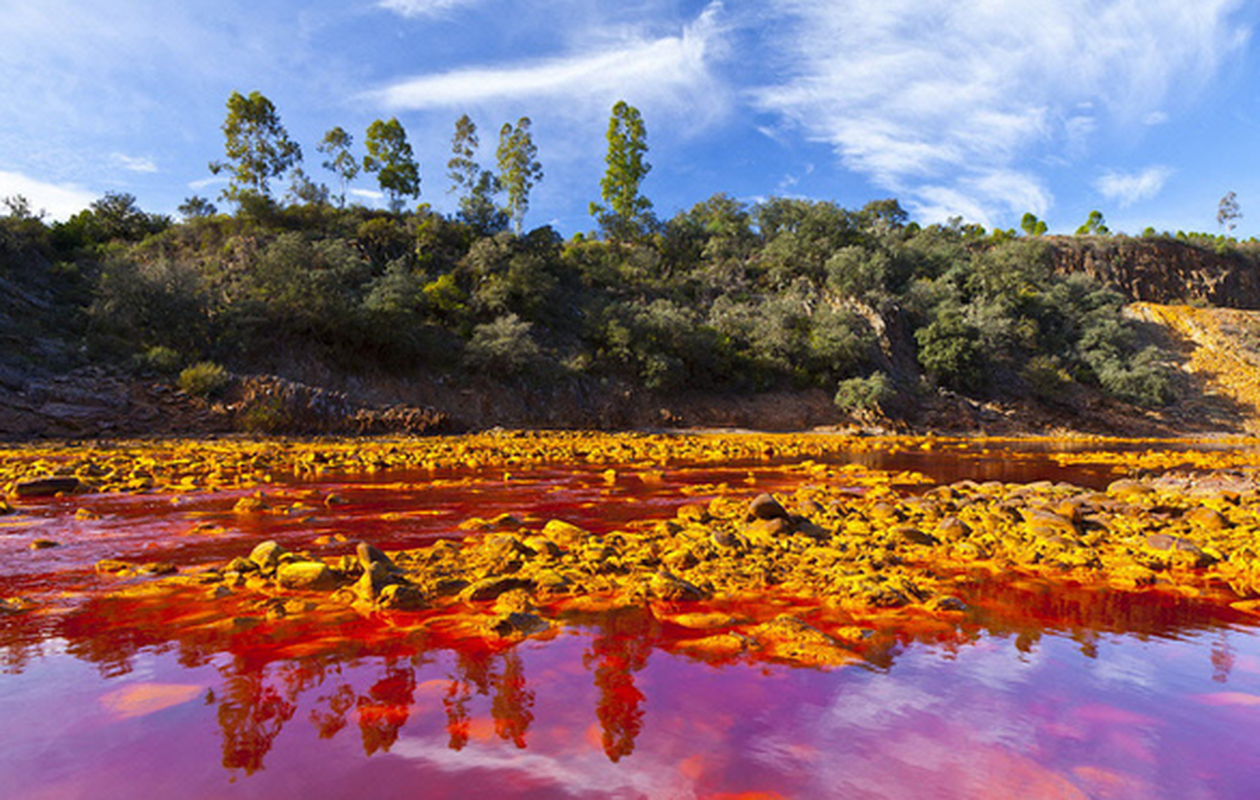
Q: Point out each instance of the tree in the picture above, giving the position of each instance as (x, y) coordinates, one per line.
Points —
(1095, 225)
(479, 186)
(883, 216)
(463, 169)
(115, 216)
(341, 162)
(306, 191)
(390, 156)
(1227, 213)
(1032, 226)
(257, 147)
(519, 168)
(627, 212)
(17, 206)
(197, 207)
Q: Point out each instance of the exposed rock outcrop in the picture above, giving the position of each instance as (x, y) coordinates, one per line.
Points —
(270, 404)
(1158, 270)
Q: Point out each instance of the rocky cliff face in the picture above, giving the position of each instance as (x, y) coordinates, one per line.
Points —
(1158, 270)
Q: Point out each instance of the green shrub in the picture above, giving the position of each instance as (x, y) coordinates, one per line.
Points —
(864, 394)
(159, 359)
(1046, 377)
(1144, 380)
(268, 415)
(503, 346)
(204, 379)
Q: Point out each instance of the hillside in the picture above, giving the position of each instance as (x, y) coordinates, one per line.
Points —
(786, 315)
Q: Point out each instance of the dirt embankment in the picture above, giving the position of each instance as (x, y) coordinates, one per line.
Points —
(95, 403)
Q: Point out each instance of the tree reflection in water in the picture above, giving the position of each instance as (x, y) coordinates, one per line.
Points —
(386, 708)
(619, 649)
(252, 711)
(513, 703)
(269, 670)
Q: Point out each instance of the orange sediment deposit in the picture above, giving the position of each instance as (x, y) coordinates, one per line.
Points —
(185, 466)
(811, 576)
(209, 465)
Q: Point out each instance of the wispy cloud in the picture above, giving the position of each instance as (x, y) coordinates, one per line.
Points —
(60, 201)
(425, 8)
(671, 72)
(955, 102)
(206, 183)
(981, 197)
(1129, 188)
(134, 163)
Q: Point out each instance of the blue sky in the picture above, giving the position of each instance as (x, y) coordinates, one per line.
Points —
(1147, 110)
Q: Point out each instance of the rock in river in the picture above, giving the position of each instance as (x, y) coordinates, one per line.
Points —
(764, 506)
(267, 555)
(311, 576)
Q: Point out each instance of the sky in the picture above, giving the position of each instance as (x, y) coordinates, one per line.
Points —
(1146, 110)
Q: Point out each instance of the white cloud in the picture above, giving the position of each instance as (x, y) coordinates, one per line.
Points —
(60, 201)
(1129, 188)
(669, 73)
(947, 100)
(425, 8)
(134, 163)
(941, 203)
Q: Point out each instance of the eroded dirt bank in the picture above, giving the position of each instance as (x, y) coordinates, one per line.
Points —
(1213, 353)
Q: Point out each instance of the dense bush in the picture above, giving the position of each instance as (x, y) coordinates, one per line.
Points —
(503, 347)
(864, 394)
(204, 379)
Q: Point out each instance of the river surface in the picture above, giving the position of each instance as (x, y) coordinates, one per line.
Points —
(1037, 692)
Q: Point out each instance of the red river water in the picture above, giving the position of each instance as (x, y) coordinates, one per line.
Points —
(1038, 693)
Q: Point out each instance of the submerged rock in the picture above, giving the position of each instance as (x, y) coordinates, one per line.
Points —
(48, 487)
(790, 638)
(491, 588)
(517, 623)
(15, 605)
(402, 597)
(665, 586)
